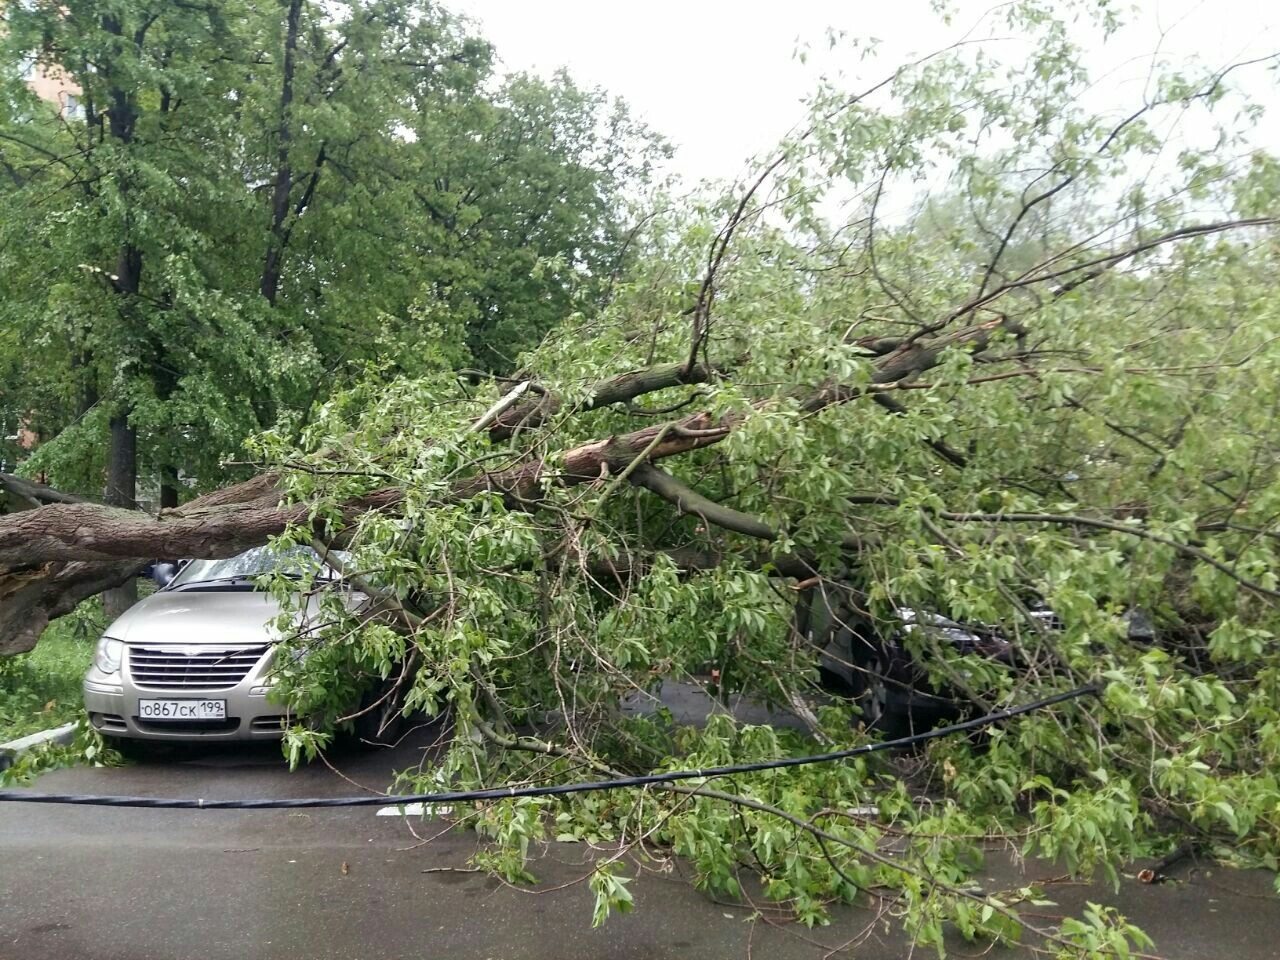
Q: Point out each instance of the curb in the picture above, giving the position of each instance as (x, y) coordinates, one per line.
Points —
(9, 752)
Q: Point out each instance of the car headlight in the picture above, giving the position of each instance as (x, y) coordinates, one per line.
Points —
(108, 655)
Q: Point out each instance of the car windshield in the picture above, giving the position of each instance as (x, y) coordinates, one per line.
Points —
(244, 567)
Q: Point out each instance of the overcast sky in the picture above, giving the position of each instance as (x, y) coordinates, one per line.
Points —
(718, 77)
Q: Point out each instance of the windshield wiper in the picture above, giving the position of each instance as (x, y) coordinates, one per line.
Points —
(228, 581)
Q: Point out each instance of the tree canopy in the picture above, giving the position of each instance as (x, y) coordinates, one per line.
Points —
(257, 201)
(961, 345)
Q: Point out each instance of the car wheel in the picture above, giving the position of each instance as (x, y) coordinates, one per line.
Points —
(871, 694)
(383, 725)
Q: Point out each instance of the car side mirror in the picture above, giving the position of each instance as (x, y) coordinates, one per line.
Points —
(163, 573)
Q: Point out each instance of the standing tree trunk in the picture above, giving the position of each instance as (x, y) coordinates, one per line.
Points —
(168, 488)
(122, 449)
(282, 188)
(273, 264)
(122, 481)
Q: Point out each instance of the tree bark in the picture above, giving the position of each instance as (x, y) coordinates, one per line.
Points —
(168, 490)
(620, 389)
(272, 266)
(122, 482)
(36, 494)
(55, 556)
(122, 449)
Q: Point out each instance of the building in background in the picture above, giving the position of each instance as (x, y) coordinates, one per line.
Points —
(52, 85)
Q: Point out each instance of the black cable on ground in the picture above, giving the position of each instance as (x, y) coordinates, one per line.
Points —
(552, 790)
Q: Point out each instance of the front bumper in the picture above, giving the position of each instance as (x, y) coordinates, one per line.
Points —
(111, 701)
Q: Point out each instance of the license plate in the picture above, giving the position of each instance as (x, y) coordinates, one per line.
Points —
(182, 709)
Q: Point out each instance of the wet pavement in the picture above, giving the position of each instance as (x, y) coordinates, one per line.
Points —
(94, 883)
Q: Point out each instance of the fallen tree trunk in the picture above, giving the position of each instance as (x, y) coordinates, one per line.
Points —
(56, 555)
(30, 598)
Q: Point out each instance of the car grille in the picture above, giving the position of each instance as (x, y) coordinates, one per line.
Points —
(107, 721)
(230, 725)
(166, 667)
(268, 724)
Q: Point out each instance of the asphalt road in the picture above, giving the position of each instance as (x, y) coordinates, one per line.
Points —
(88, 883)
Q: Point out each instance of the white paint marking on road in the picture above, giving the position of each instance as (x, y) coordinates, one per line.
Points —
(415, 810)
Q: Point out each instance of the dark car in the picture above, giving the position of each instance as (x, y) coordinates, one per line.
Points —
(870, 662)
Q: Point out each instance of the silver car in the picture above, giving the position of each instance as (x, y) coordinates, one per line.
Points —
(193, 661)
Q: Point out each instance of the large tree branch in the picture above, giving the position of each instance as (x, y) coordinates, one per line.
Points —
(36, 494)
(687, 500)
(532, 412)
(908, 360)
(600, 458)
(221, 524)
(55, 556)
(235, 518)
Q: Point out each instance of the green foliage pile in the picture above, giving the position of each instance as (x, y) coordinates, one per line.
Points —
(1093, 427)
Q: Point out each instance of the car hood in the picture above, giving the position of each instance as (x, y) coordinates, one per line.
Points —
(201, 616)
